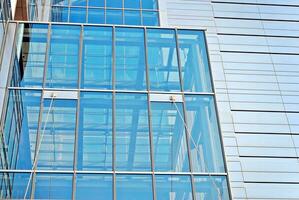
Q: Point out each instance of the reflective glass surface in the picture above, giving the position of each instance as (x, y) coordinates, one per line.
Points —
(130, 59)
(162, 60)
(114, 16)
(169, 139)
(17, 181)
(97, 58)
(150, 18)
(78, 15)
(96, 16)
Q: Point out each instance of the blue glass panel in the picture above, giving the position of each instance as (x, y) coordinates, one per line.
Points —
(114, 17)
(53, 186)
(59, 14)
(132, 132)
(211, 188)
(130, 59)
(132, 17)
(96, 3)
(134, 187)
(96, 16)
(33, 56)
(94, 186)
(78, 2)
(205, 143)
(149, 4)
(60, 2)
(62, 69)
(132, 4)
(57, 135)
(174, 187)
(169, 139)
(114, 3)
(95, 132)
(150, 18)
(162, 60)
(194, 61)
(97, 58)
(77, 15)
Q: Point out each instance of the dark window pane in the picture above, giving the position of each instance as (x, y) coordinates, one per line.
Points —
(78, 15)
(114, 17)
(58, 130)
(53, 186)
(96, 16)
(132, 4)
(150, 18)
(94, 186)
(96, 3)
(169, 139)
(175, 187)
(132, 17)
(59, 14)
(134, 187)
(95, 132)
(130, 59)
(114, 3)
(194, 61)
(149, 4)
(62, 69)
(211, 188)
(97, 58)
(132, 133)
(78, 2)
(162, 60)
(206, 153)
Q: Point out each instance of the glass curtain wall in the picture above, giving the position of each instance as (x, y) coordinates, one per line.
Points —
(128, 115)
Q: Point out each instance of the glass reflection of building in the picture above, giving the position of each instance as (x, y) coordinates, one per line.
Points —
(110, 112)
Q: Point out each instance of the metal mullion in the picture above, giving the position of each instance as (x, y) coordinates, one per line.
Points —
(149, 115)
(113, 114)
(123, 11)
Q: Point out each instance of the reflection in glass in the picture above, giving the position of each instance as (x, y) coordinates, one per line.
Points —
(132, 17)
(205, 147)
(95, 132)
(162, 60)
(60, 2)
(96, 16)
(134, 187)
(58, 129)
(33, 53)
(211, 188)
(130, 59)
(150, 18)
(194, 61)
(77, 2)
(174, 187)
(96, 3)
(59, 14)
(77, 15)
(94, 186)
(132, 4)
(62, 69)
(170, 148)
(97, 58)
(114, 17)
(53, 186)
(114, 3)
(132, 133)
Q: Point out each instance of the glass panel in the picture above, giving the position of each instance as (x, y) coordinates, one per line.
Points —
(77, 15)
(211, 188)
(170, 148)
(132, 133)
(162, 60)
(21, 124)
(174, 187)
(114, 17)
(149, 4)
(32, 60)
(130, 59)
(97, 58)
(78, 2)
(94, 186)
(96, 3)
(60, 2)
(58, 130)
(132, 4)
(132, 17)
(59, 14)
(206, 156)
(194, 61)
(114, 3)
(134, 187)
(95, 132)
(150, 18)
(62, 69)
(96, 16)
(53, 186)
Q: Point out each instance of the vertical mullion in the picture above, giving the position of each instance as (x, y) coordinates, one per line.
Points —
(149, 114)
(113, 113)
